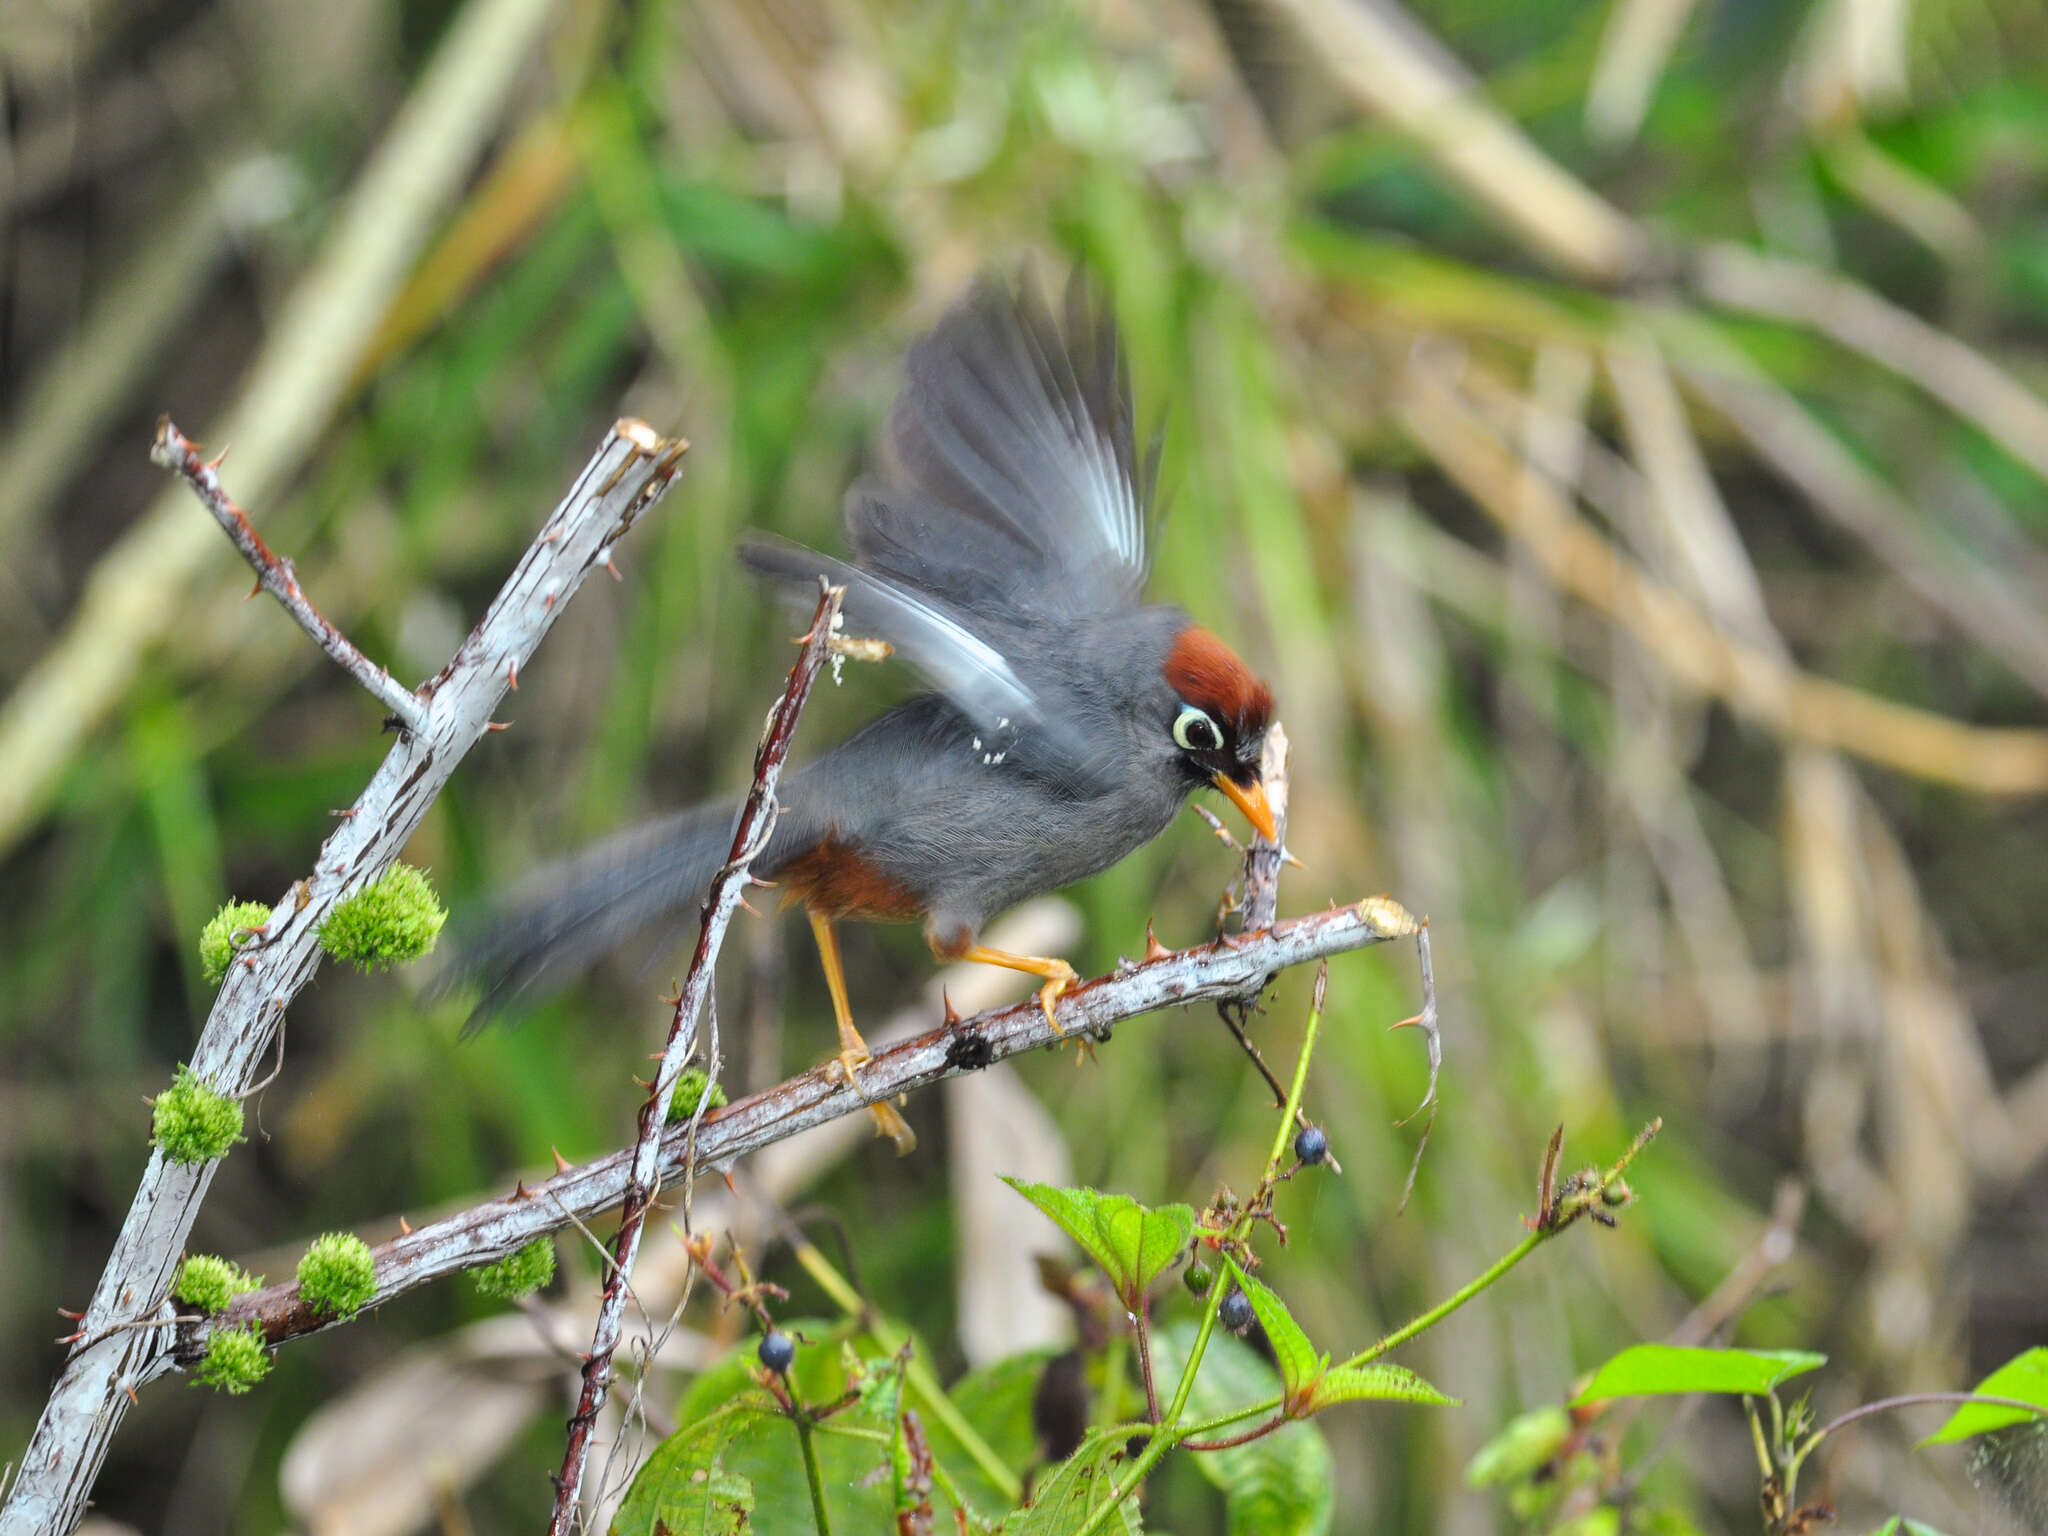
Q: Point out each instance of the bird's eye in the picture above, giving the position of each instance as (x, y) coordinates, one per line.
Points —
(1195, 731)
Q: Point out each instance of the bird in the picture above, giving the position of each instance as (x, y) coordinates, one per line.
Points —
(1001, 547)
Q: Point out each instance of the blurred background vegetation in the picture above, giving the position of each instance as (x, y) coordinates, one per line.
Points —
(1615, 429)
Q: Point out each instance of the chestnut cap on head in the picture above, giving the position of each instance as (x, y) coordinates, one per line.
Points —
(1221, 724)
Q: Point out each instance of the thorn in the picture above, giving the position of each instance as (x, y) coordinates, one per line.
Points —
(548, 601)
(750, 909)
(212, 465)
(404, 1227)
(133, 1400)
(344, 815)
(952, 1013)
(1154, 950)
(766, 885)
(1411, 1022)
(613, 569)
(1287, 858)
(644, 1084)
(512, 676)
(74, 1316)
(497, 725)
(561, 1163)
(254, 590)
(726, 1174)
(72, 1338)
(520, 1192)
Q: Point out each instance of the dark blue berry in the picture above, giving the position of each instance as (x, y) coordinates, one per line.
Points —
(1236, 1312)
(777, 1351)
(1199, 1278)
(1310, 1144)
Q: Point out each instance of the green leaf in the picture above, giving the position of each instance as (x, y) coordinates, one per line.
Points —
(1280, 1485)
(1131, 1242)
(2025, 1377)
(1079, 1486)
(736, 1437)
(1300, 1366)
(687, 1489)
(1650, 1370)
(1378, 1382)
(1899, 1525)
(1531, 1440)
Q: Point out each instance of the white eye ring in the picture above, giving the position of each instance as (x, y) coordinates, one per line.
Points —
(1194, 731)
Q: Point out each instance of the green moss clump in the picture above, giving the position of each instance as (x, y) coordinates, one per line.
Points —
(235, 1360)
(395, 919)
(518, 1274)
(337, 1275)
(210, 1283)
(218, 941)
(191, 1122)
(690, 1088)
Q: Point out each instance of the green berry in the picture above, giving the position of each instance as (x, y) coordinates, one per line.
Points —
(235, 1360)
(1198, 1278)
(518, 1274)
(337, 1275)
(191, 1122)
(690, 1088)
(210, 1283)
(394, 919)
(227, 931)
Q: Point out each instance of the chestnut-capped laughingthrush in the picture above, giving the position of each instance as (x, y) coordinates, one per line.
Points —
(1001, 550)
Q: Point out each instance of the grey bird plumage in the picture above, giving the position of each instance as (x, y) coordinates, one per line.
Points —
(1001, 549)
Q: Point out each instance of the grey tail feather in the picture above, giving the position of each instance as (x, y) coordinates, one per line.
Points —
(566, 915)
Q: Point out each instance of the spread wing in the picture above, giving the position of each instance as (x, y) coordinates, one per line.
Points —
(1011, 479)
(1011, 498)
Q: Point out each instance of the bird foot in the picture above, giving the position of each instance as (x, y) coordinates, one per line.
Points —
(846, 1067)
(1055, 985)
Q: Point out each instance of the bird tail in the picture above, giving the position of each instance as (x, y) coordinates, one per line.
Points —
(566, 915)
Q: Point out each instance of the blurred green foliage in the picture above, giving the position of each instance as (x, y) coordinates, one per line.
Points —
(734, 218)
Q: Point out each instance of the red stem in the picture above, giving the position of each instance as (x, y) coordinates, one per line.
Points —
(1256, 1432)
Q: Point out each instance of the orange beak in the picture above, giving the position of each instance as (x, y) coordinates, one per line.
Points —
(1253, 803)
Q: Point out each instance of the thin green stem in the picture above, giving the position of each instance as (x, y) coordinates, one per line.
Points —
(930, 1394)
(1457, 1299)
(1300, 1083)
(813, 1474)
(1166, 1436)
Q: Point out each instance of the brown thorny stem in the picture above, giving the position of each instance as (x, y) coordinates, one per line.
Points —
(756, 824)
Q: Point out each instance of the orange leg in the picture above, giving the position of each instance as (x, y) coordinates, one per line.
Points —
(1057, 973)
(853, 1051)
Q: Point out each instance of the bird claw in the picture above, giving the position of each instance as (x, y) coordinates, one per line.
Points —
(845, 1067)
(1050, 993)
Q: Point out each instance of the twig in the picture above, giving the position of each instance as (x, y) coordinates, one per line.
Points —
(631, 469)
(274, 574)
(495, 1228)
(757, 819)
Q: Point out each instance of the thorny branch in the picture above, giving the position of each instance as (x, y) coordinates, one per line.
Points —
(274, 574)
(495, 1228)
(757, 821)
(631, 470)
